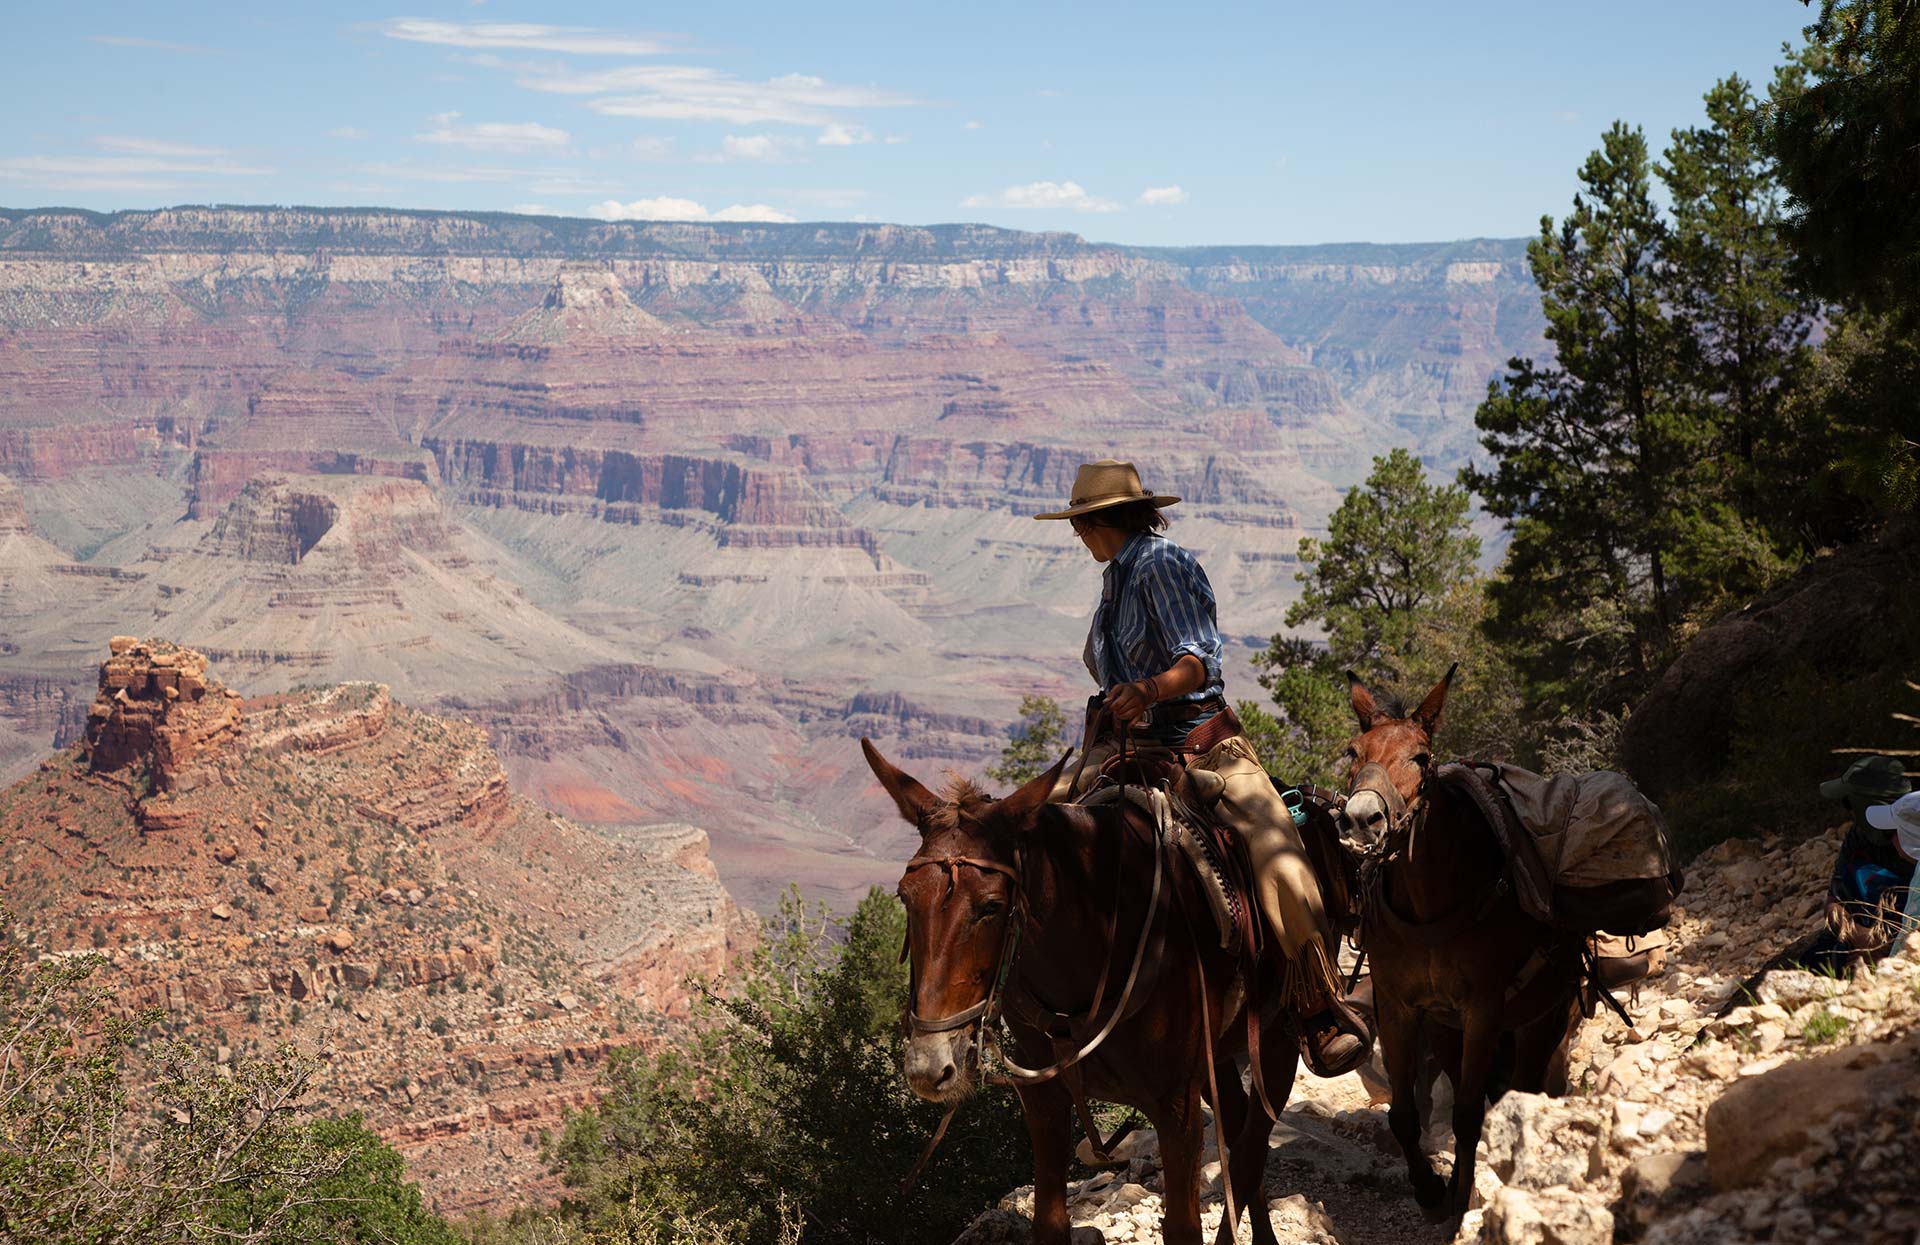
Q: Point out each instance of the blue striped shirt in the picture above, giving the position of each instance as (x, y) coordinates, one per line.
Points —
(1166, 611)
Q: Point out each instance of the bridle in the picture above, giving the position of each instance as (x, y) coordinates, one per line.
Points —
(1404, 817)
(986, 1011)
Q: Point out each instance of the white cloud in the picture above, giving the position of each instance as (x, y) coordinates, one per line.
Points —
(1055, 196)
(1163, 196)
(751, 147)
(895, 139)
(696, 93)
(350, 133)
(753, 212)
(534, 209)
(506, 136)
(971, 125)
(665, 207)
(837, 135)
(522, 37)
(653, 148)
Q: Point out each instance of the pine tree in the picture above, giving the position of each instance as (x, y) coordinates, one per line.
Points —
(1844, 124)
(1591, 450)
(1042, 732)
(1743, 323)
(1394, 547)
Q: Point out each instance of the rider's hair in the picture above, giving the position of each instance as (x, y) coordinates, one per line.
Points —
(1134, 516)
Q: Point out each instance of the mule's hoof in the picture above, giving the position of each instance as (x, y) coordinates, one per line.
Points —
(1429, 1191)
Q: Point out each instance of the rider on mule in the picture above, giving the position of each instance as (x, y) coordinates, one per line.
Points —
(1155, 648)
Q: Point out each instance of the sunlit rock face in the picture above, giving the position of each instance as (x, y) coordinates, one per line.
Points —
(673, 508)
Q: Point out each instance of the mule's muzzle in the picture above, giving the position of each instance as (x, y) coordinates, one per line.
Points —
(943, 1067)
(1366, 818)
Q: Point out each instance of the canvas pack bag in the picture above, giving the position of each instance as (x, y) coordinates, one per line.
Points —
(1603, 844)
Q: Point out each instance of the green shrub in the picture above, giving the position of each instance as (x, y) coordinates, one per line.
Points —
(184, 1150)
(789, 1108)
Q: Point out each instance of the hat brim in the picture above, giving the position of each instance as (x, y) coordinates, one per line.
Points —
(1880, 817)
(1107, 503)
(1835, 789)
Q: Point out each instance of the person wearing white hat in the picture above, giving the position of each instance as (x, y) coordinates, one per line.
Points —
(1154, 648)
(1902, 817)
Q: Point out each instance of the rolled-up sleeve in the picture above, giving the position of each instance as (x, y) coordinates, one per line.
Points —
(1183, 608)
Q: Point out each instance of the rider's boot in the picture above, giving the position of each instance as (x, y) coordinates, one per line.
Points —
(1334, 1039)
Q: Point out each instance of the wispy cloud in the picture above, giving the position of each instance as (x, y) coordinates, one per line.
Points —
(971, 125)
(697, 93)
(135, 171)
(349, 133)
(522, 37)
(159, 147)
(666, 207)
(1036, 196)
(549, 181)
(505, 136)
(157, 45)
(652, 148)
(1163, 196)
(837, 135)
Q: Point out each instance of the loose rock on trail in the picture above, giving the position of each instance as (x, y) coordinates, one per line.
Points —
(1789, 1119)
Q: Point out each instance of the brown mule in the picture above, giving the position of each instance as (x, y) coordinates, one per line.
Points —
(1454, 957)
(1072, 924)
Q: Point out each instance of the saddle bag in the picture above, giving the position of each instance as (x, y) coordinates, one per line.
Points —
(1600, 846)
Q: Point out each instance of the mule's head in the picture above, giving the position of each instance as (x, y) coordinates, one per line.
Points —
(959, 915)
(1388, 760)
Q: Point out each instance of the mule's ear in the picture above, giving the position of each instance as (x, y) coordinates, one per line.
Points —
(1427, 716)
(909, 796)
(1033, 793)
(1362, 700)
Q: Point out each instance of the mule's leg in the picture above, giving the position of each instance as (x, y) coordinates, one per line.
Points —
(1049, 1111)
(1247, 1125)
(1540, 1051)
(1479, 1037)
(1280, 1059)
(1178, 1121)
(1399, 1036)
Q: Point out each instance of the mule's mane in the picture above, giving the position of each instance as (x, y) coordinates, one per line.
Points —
(959, 795)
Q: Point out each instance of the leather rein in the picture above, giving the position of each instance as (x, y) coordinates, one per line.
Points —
(986, 1013)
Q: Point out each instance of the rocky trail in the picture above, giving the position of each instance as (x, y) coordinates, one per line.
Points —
(1789, 1119)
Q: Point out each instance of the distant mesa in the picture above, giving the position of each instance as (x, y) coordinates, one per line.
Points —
(585, 302)
(351, 519)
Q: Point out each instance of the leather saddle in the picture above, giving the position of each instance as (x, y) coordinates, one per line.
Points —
(1179, 802)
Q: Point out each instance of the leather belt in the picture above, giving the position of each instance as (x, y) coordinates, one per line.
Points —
(1187, 710)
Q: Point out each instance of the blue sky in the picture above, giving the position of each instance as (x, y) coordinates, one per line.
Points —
(1190, 124)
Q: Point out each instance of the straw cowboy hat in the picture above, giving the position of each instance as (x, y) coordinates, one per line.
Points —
(1109, 482)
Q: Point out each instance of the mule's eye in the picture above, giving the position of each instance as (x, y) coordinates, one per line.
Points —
(991, 908)
(1422, 759)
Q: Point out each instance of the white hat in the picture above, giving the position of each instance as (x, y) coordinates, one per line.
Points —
(1902, 815)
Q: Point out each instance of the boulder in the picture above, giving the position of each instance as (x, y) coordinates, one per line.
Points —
(1771, 1115)
(1536, 1142)
(1828, 615)
(1659, 1183)
(1550, 1216)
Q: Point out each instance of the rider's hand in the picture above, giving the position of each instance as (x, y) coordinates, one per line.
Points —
(1130, 701)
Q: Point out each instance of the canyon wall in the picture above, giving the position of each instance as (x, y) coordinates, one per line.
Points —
(787, 470)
